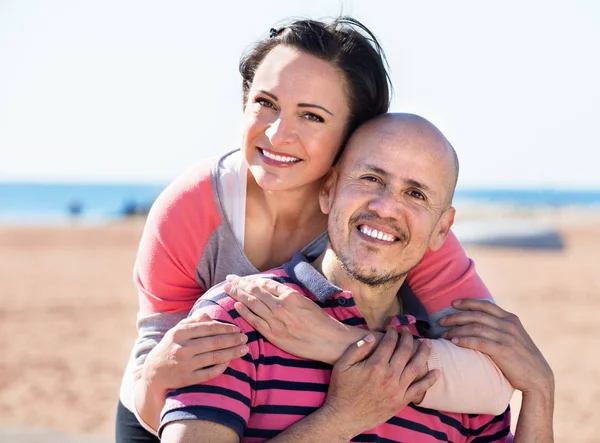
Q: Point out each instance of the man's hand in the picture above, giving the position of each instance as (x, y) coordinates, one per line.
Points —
(372, 383)
(288, 319)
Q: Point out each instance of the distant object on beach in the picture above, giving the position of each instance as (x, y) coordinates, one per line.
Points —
(132, 208)
(75, 208)
(509, 233)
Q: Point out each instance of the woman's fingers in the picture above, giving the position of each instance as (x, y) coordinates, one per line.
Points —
(190, 328)
(468, 317)
(486, 306)
(218, 356)
(206, 374)
(476, 330)
(261, 325)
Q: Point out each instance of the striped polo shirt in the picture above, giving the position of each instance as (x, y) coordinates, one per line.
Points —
(268, 390)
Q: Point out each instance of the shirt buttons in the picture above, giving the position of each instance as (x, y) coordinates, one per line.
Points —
(342, 301)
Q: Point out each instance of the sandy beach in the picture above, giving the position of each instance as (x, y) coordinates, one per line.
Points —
(68, 306)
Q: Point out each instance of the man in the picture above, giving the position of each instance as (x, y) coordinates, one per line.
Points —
(388, 200)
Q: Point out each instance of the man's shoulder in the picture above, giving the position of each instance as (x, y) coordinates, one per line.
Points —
(216, 296)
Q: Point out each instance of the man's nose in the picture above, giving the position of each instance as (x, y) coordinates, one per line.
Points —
(387, 205)
(281, 131)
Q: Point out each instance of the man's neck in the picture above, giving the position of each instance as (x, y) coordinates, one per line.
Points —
(378, 304)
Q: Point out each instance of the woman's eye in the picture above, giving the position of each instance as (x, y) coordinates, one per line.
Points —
(264, 102)
(313, 117)
(416, 194)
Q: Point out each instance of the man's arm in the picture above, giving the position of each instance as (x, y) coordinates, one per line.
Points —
(195, 431)
(363, 394)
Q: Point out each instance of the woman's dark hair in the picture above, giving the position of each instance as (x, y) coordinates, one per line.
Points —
(345, 43)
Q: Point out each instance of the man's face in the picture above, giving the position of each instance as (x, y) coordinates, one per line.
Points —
(387, 200)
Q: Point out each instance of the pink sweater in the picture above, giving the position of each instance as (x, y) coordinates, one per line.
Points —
(188, 246)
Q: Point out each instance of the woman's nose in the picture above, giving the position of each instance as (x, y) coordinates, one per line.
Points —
(281, 132)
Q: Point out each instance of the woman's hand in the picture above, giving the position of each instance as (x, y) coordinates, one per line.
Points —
(289, 320)
(197, 349)
(373, 382)
(485, 327)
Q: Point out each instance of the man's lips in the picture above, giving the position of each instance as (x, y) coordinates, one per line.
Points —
(377, 234)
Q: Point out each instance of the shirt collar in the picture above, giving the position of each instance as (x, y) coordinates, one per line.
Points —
(304, 274)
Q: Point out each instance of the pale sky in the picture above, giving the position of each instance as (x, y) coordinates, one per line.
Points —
(135, 91)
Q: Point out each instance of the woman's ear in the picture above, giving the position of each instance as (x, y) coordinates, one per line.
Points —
(327, 190)
(441, 229)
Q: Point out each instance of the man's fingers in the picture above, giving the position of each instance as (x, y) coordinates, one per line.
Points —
(386, 347)
(474, 304)
(356, 352)
(403, 351)
(416, 391)
(261, 325)
(416, 367)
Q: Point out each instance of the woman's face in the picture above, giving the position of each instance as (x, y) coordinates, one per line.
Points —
(294, 120)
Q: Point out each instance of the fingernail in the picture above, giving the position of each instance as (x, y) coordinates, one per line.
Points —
(227, 287)
(442, 321)
(229, 277)
(369, 338)
(427, 342)
(456, 303)
(243, 350)
(455, 340)
(244, 338)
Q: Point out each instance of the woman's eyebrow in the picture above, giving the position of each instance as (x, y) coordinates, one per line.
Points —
(310, 105)
(300, 105)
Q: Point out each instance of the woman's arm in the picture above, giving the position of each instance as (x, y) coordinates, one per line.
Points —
(170, 352)
(299, 326)
(485, 327)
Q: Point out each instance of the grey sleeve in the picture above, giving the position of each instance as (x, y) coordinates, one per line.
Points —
(151, 329)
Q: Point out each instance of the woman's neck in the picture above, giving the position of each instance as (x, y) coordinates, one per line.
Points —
(280, 223)
(291, 209)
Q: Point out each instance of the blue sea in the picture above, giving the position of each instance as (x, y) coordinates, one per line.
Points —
(52, 203)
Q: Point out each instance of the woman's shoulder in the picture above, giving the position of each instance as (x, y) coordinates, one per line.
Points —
(189, 199)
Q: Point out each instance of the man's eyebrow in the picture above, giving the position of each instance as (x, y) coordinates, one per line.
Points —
(409, 181)
(417, 184)
(300, 105)
(375, 169)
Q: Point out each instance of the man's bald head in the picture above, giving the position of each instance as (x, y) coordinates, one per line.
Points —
(406, 131)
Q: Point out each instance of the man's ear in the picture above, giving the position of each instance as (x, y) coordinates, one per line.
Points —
(442, 228)
(327, 190)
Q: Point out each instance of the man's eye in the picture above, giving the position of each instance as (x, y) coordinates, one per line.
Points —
(313, 117)
(371, 178)
(416, 194)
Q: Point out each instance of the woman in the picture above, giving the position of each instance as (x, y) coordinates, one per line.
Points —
(306, 88)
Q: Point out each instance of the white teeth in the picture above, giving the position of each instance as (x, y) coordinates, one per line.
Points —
(280, 158)
(374, 233)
